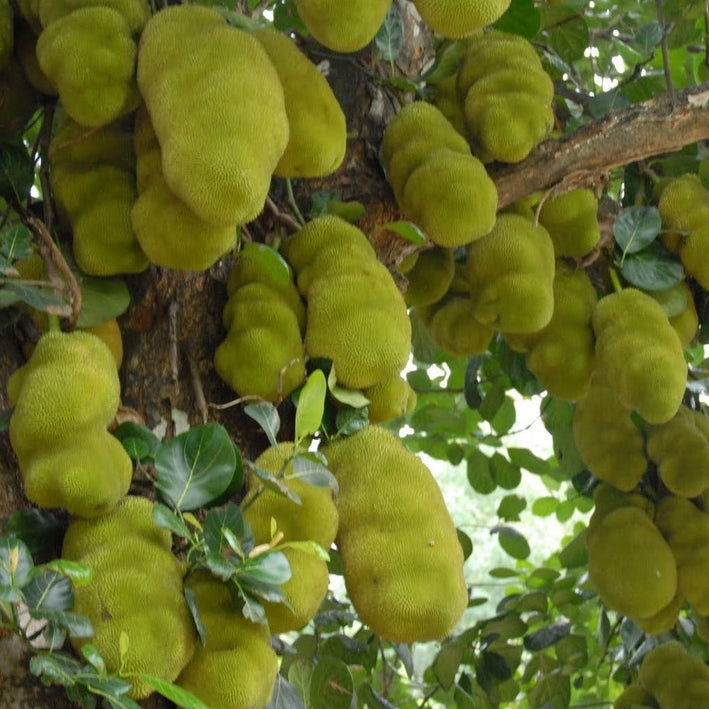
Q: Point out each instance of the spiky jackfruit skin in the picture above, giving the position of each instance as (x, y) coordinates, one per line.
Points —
(686, 529)
(64, 397)
(435, 179)
(446, 100)
(236, 667)
(562, 355)
(90, 55)
(640, 354)
(401, 559)
(390, 399)
(680, 449)
(506, 97)
(609, 442)
(664, 620)
(430, 277)
(110, 333)
(511, 276)
(93, 179)
(635, 697)
(317, 126)
(684, 208)
(674, 677)
(343, 27)
(453, 18)
(222, 131)
(135, 12)
(572, 222)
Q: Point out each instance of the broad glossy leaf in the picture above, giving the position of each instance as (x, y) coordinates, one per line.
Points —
(635, 228)
(269, 260)
(175, 694)
(311, 405)
(331, 685)
(102, 299)
(16, 562)
(266, 416)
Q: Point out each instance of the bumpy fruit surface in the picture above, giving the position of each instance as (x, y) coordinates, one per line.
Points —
(236, 667)
(135, 12)
(572, 222)
(64, 397)
(390, 399)
(222, 131)
(135, 589)
(635, 697)
(453, 18)
(430, 277)
(640, 354)
(401, 559)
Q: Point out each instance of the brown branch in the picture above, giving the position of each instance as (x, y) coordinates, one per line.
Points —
(637, 132)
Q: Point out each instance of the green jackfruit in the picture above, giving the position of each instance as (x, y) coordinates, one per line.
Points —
(674, 677)
(343, 28)
(430, 277)
(318, 131)
(664, 620)
(678, 304)
(640, 354)
(390, 399)
(401, 559)
(572, 222)
(609, 442)
(635, 697)
(684, 208)
(236, 667)
(511, 276)
(26, 56)
(453, 18)
(446, 100)
(135, 12)
(222, 131)
(90, 55)
(136, 590)
(64, 397)
(506, 97)
(7, 37)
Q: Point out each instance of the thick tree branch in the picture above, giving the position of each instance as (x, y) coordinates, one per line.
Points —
(635, 133)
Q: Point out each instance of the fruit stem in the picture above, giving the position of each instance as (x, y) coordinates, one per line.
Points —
(615, 280)
(53, 323)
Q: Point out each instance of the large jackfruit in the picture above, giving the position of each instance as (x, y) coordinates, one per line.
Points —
(401, 559)
(236, 667)
(506, 97)
(572, 222)
(314, 519)
(453, 18)
(511, 276)
(318, 130)
(562, 355)
(134, 12)
(343, 27)
(221, 131)
(435, 179)
(64, 397)
(136, 590)
(640, 354)
(93, 179)
(635, 697)
(684, 208)
(430, 277)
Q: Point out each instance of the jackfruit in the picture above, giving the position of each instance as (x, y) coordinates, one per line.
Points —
(93, 178)
(134, 12)
(236, 667)
(342, 27)
(453, 18)
(506, 97)
(390, 399)
(608, 441)
(110, 333)
(222, 131)
(318, 130)
(26, 56)
(511, 276)
(664, 620)
(90, 55)
(640, 354)
(64, 397)
(401, 558)
(136, 590)
(430, 277)
(572, 222)
(635, 697)
(686, 529)
(446, 100)
(684, 208)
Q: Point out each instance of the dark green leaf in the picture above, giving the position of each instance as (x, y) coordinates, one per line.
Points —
(510, 507)
(606, 102)
(137, 439)
(320, 199)
(567, 32)
(407, 230)
(502, 572)
(16, 243)
(38, 529)
(175, 694)
(525, 458)
(311, 405)
(252, 609)
(165, 518)
(285, 696)
(546, 637)
(572, 650)
(36, 297)
(446, 663)
(313, 472)
(331, 685)
(273, 483)
(372, 698)
(16, 562)
(194, 612)
(16, 172)
(446, 63)
(266, 416)
(647, 37)
(78, 626)
(507, 475)
(674, 301)
(512, 541)
(227, 518)
(520, 18)
(471, 389)
(55, 667)
(120, 701)
(48, 590)
(492, 402)
(653, 268)
(349, 420)
(479, 472)
(636, 227)
(102, 299)
(390, 36)
(269, 260)
(465, 542)
(552, 691)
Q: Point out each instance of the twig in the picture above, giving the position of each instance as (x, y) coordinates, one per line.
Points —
(665, 52)
(198, 389)
(282, 217)
(44, 138)
(172, 314)
(236, 402)
(293, 203)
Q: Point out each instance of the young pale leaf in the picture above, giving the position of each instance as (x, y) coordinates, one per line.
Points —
(313, 472)
(635, 228)
(195, 467)
(48, 590)
(79, 573)
(269, 260)
(351, 212)
(16, 562)
(351, 397)
(331, 686)
(389, 38)
(512, 541)
(653, 268)
(407, 230)
(175, 694)
(266, 416)
(309, 547)
(102, 299)
(311, 405)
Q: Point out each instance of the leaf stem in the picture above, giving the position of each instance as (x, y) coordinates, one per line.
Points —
(615, 280)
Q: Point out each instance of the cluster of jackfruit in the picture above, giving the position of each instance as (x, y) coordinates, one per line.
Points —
(263, 353)
(315, 519)
(436, 180)
(236, 667)
(135, 592)
(64, 397)
(401, 559)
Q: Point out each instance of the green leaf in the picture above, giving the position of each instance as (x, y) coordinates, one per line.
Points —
(311, 405)
(351, 212)
(38, 529)
(78, 626)
(271, 567)
(313, 472)
(372, 698)
(274, 483)
(514, 543)
(78, 572)
(39, 298)
(521, 18)
(16, 243)
(510, 507)
(552, 691)
(544, 506)
(16, 562)
(567, 32)
(471, 388)
(653, 268)
(674, 301)
(331, 685)
(465, 542)
(572, 650)
(446, 63)
(285, 696)
(408, 231)
(55, 667)
(525, 458)
(479, 472)
(170, 691)
(446, 663)
(547, 636)
(48, 590)
(635, 228)
(349, 420)
(492, 401)
(647, 37)
(390, 36)
(92, 656)
(565, 510)
(102, 299)
(16, 172)
(139, 441)
(266, 416)
(165, 518)
(195, 467)
(191, 599)
(226, 519)
(269, 260)
(507, 475)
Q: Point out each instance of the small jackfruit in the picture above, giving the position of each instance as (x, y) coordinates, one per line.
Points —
(429, 279)
(453, 18)
(343, 27)
(390, 399)
(635, 697)
(511, 276)
(110, 333)
(222, 131)
(135, 591)
(446, 100)
(640, 354)
(572, 222)
(401, 558)
(317, 126)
